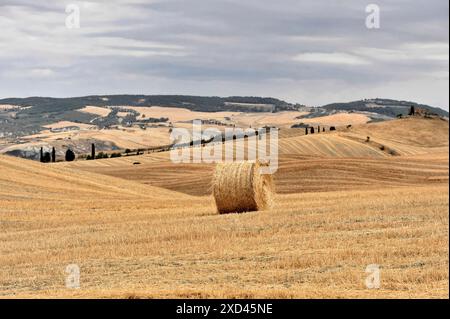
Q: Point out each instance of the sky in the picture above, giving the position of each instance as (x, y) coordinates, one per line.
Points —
(308, 52)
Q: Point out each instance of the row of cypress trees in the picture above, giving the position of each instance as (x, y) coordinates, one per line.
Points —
(312, 129)
(47, 157)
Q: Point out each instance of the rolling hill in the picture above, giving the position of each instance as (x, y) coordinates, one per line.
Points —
(33, 113)
(152, 230)
(325, 161)
(387, 107)
(195, 103)
(138, 241)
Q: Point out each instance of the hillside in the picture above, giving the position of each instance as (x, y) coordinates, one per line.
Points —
(315, 162)
(410, 136)
(194, 103)
(152, 230)
(137, 241)
(24, 180)
(120, 122)
(35, 112)
(26, 116)
(387, 107)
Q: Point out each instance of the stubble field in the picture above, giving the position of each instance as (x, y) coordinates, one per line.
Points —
(152, 230)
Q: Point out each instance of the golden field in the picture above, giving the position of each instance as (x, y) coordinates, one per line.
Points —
(152, 230)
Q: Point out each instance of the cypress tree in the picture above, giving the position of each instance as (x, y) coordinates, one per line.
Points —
(93, 151)
(41, 155)
(53, 155)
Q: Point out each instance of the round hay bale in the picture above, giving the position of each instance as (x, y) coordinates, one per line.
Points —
(239, 187)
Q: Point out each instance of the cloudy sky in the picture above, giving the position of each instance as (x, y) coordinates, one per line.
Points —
(306, 51)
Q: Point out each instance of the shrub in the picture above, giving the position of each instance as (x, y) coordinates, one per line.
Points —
(393, 152)
(70, 155)
(101, 155)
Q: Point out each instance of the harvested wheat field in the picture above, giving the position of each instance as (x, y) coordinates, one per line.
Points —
(96, 110)
(124, 137)
(64, 124)
(176, 114)
(339, 119)
(153, 230)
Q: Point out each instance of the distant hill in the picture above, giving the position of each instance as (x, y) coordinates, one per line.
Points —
(194, 103)
(42, 105)
(386, 107)
(46, 110)
(35, 112)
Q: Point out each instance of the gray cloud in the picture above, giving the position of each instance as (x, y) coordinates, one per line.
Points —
(310, 52)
